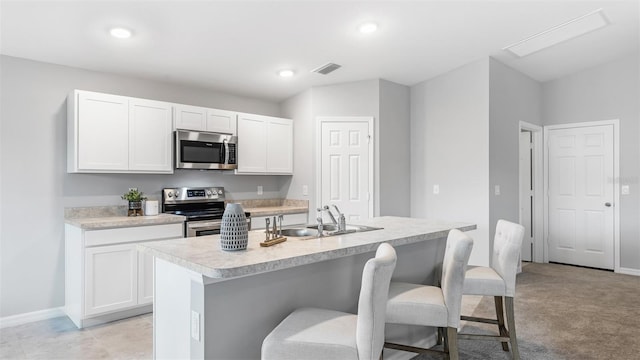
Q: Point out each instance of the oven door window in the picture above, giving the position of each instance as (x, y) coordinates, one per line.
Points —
(207, 232)
(201, 152)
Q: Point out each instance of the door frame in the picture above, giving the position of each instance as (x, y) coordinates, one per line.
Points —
(343, 119)
(538, 198)
(616, 184)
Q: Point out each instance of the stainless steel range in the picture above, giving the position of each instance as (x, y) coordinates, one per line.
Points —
(203, 207)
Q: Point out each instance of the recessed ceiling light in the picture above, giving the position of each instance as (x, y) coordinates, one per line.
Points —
(286, 73)
(567, 31)
(120, 33)
(368, 27)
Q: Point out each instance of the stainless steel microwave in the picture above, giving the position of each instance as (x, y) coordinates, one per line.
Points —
(205, 150)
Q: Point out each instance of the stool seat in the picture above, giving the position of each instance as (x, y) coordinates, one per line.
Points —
(311, 333)
(415, 304)
(481, 280)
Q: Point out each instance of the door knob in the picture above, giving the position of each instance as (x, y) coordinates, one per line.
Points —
(607, 204)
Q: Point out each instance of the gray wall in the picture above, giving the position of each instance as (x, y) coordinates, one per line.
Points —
(450, 147)
(394, 157)
(609, 91)
(513, 97)
(36, 188)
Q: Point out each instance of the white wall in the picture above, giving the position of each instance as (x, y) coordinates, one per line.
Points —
(513, 97)
(36, 188)
(450, 147)
(609, 91)
(395, 118)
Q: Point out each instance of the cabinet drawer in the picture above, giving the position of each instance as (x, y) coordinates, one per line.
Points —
(132, 234)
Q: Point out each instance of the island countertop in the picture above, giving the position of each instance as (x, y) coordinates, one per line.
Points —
(204, 256)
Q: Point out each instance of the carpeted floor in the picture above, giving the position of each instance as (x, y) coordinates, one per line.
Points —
(565, 312)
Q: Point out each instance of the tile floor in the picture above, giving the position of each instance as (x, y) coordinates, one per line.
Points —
(60, 339)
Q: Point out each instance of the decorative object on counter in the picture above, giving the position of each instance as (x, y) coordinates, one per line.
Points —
(234, 229)
(274, 236)
(135, 198)
(151, 207)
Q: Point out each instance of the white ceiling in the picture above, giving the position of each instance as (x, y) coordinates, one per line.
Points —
(238, 46)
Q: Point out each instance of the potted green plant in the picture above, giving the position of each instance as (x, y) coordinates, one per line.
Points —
(135, 198)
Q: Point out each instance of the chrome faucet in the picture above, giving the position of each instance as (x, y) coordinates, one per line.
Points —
(320, 225)
(326, 208)
(341, 224)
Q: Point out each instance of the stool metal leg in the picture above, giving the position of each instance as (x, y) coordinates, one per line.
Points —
(511, 322)
(500, 316)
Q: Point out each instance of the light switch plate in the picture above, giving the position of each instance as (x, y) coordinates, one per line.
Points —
(436, 189)
(195, 325)
(624, 190)
(497, 189)
(259, 189)
(305, 190)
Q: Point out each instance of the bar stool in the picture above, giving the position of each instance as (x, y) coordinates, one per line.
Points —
(311, 333)
(423, 305)
(498, 281)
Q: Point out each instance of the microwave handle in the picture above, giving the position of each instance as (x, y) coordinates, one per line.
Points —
(226, 151)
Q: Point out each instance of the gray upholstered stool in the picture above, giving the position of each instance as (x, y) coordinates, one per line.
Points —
(498, 281)
(310, 333)
(423, 305)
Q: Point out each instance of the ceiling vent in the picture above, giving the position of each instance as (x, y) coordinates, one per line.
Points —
(326, 68)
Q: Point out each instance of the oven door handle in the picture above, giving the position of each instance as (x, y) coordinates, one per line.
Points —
(202, 225)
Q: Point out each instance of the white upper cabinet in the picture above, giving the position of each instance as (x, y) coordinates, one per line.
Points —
(118, 134)
(265, 145)
(150, 132)
(197, 118)
(99, 130)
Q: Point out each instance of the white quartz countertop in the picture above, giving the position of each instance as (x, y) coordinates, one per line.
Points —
(204, 256)
(110, 222)
(276, 210)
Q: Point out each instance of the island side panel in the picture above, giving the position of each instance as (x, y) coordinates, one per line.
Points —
(239, 313)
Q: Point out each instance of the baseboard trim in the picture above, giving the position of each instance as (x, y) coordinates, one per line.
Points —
(629, 271)
(25, 318)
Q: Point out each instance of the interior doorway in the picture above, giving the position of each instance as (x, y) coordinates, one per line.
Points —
(345, 165)
(531, 195)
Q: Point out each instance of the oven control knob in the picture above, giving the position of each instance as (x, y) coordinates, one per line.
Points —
(208, 193)
(177, 193)
(170, 194)
(220, 192)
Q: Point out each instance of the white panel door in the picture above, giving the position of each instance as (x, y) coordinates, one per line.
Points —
(150, 140)
(103, 131)
(526, 194)
(345, 168)
(581, 193)
(252, 144)
(221, 121)
(190, 117)
(111, 278)
(280, 146)
(145, 278)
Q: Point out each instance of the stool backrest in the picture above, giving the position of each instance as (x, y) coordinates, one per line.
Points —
(506, 253)
(456, 258)
(372, 303)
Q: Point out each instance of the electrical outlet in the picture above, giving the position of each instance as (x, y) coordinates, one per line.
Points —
(305, 190)
(624, 190)
(259, 189)
(497, 190)
(195, 325)
(436, 189)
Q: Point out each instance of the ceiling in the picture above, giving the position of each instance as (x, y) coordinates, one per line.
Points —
(239, 46)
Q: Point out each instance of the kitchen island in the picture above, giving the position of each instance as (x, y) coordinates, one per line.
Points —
(215, 304)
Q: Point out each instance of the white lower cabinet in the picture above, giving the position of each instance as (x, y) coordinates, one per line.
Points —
(106, 277)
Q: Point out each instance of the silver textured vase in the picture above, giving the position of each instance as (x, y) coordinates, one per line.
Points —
(234, 229)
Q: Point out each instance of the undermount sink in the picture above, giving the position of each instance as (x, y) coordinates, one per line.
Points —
(299, 232)
(349, 229)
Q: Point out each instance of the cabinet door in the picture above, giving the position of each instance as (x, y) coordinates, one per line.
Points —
(145, 278)
(150, 136)
(111, 278)
(252, 144)
(280, 146)
(103, 123)
(190, 117)
(221, 121)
